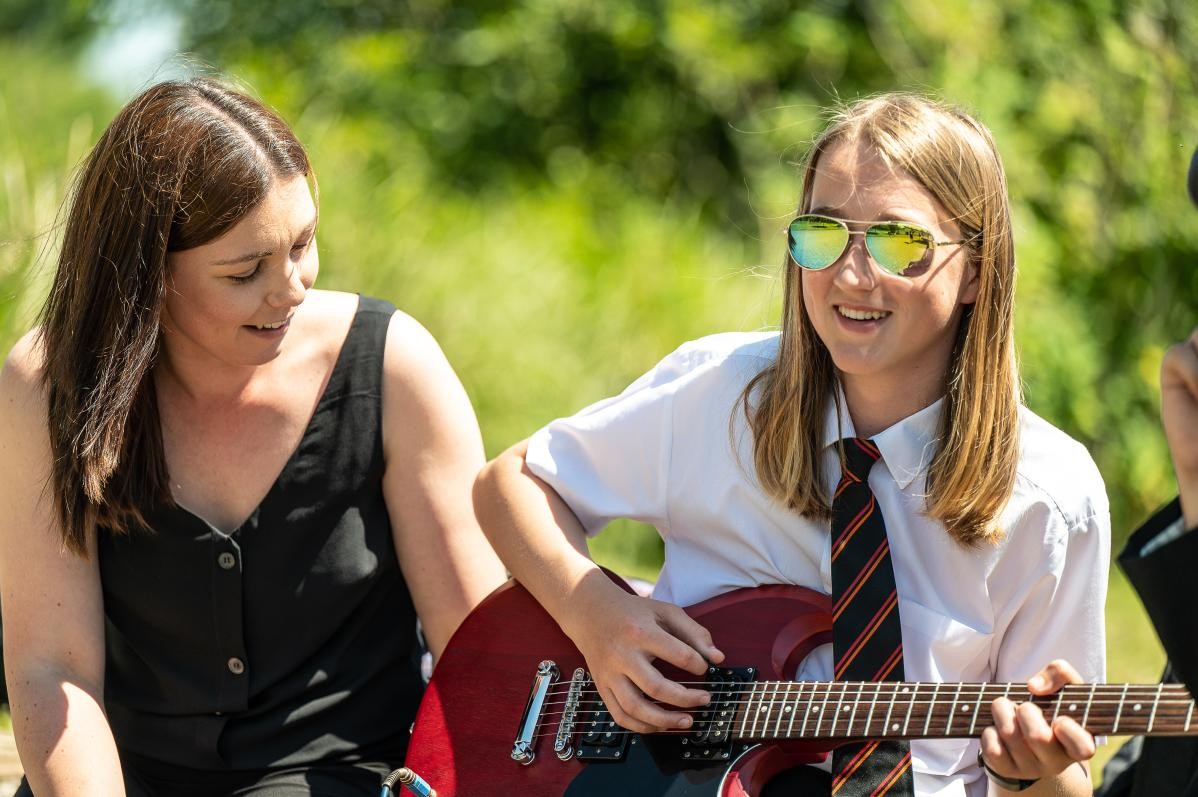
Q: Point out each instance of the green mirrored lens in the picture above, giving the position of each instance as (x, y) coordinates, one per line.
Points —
(897, 247)
(816, 241)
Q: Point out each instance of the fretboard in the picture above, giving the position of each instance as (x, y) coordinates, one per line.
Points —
(894, 710)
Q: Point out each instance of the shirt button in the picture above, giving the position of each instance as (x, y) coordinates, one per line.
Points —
(236, 666)
(226, 561)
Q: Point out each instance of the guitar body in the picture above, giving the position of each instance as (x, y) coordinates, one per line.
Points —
(464, 732)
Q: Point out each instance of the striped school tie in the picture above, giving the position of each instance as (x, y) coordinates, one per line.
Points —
(867, 641)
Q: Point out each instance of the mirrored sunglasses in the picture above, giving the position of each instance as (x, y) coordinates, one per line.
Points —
(898, 247)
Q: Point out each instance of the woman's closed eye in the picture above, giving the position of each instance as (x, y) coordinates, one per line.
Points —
(299, 249)
(241, 279)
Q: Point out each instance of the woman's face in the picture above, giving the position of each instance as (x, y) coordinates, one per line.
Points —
(885, 332)
(231, 300)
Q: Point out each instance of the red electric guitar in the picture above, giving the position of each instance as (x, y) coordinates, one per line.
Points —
(511, 709)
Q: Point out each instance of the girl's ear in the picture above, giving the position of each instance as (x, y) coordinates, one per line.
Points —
(970, 282)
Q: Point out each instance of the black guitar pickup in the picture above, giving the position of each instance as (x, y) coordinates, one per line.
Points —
(602, 738)
(711, 734)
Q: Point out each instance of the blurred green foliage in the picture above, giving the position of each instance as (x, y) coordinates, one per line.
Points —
(564, 190)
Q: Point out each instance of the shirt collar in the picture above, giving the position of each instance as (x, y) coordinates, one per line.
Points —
(907, 447)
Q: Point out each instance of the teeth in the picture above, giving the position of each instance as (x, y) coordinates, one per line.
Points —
(275, 325)
(861, 315)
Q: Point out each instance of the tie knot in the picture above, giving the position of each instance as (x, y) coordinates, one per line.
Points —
(859, 456)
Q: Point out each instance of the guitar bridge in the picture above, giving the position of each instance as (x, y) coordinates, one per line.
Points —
(526, 733)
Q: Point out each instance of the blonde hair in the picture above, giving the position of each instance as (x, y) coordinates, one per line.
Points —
(972, 472)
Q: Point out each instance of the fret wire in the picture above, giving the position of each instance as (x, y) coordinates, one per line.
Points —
(910, 708)
(776, 710)
(807, 713)
(760, 706)
(836, 713)
(873, 703)
(931, 707)
(977, 706)
(794, 710)
(820, 711)
(744, 719)
(1119, 712)
(1189, 715)
(1155, 703)
(894, 692)
(952, 711)
(853, 712)
(786, 709)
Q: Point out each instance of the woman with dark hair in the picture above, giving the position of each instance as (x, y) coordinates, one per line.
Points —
(225, 497)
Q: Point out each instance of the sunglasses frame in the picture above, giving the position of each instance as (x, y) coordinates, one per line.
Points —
(844, 224)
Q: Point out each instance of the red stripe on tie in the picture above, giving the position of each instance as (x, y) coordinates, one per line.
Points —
(887, 607)
(883, 673)
(902, 766)
(868, 447)
(844, 483)
(853, 763)
(853, 525)
(866, 571)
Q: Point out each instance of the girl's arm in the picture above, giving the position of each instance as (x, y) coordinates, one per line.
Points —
(618, 634)
(434, 451)
(53, 609)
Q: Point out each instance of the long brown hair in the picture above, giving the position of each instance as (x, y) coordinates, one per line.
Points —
(181, 163)
(972, 473)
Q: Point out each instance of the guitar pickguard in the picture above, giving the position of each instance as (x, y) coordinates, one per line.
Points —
(654, 766)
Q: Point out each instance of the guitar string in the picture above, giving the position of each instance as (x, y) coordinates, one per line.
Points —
(1169, 709)
(1083, 694)
(942, 723)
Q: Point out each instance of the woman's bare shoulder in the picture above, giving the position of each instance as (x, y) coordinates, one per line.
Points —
(21, 377)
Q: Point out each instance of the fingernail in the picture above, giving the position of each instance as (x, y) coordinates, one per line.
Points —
(685, 722)
(1037, 681)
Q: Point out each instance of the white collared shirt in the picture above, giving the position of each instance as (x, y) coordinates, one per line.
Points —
(674, 450)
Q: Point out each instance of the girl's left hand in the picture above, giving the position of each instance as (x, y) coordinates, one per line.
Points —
(1023, 745)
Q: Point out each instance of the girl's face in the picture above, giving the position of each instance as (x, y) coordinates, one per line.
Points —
(232, 299)
(888, 334)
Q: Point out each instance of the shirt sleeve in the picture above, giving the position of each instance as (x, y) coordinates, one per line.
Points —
(1061, 611)
(612, 459)
(1161, 571)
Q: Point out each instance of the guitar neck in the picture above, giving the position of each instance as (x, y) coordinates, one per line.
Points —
(898, 710)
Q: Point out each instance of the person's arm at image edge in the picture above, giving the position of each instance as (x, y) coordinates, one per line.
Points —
(53, 610)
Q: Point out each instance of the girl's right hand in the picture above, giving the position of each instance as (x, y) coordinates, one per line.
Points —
(620, 635)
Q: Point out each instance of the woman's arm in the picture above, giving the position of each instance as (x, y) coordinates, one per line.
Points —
(433, 451)
(618, 634)
(53, 609)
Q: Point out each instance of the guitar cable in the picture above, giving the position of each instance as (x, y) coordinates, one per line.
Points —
(406, 777)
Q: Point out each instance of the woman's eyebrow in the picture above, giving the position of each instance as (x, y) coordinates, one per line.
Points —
(304, 233)
(242, 258)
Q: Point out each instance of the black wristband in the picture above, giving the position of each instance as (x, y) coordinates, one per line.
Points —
(1010, 784)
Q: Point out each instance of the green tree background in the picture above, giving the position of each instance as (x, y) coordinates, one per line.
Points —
(563, 190)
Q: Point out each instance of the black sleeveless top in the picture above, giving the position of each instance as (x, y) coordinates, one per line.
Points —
(290, 641)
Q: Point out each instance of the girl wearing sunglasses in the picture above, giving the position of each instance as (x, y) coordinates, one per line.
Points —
(896, 330)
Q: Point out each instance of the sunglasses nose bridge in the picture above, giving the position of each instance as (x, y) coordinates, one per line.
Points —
(856, 258)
